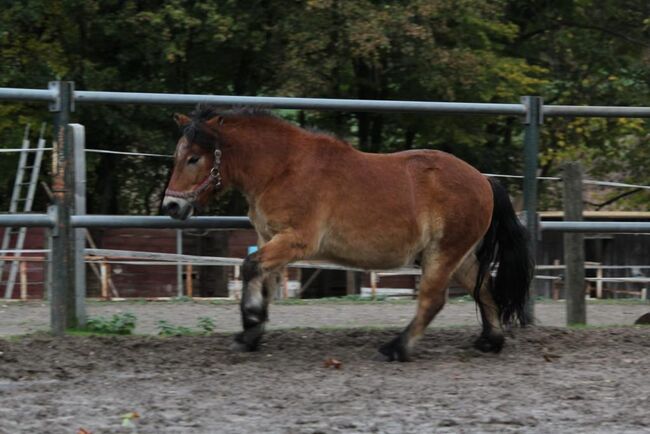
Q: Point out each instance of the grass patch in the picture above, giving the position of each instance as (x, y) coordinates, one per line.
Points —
(118, 324)
(634, 301)
(204, 326)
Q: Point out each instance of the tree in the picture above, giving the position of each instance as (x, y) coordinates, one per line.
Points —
(596, 53)
(571, 52)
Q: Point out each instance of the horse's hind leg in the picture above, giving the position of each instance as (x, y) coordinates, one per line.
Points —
(431, 299)
(492, 338)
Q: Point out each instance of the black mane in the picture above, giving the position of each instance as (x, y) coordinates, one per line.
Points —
(194, 131)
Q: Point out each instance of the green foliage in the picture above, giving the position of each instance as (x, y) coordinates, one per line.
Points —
(578, 52)
(165, 328)
(118, 324)
(204, 325)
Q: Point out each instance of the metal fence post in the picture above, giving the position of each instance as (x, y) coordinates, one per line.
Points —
(179, 265)
(62, 303)
(78, 134)
(574, 246)
(533, 121)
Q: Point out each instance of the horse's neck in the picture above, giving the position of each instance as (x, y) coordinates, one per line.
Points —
(253, 157)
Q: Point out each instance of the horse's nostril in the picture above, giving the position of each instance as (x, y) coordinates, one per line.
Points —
(171, 208)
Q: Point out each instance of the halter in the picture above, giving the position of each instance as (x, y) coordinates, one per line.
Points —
(214, 178)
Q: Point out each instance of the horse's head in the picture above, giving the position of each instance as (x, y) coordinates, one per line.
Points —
(196, 165)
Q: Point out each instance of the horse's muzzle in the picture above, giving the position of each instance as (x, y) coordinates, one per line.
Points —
(177, 208)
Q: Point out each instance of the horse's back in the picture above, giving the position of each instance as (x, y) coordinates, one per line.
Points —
(387, 208)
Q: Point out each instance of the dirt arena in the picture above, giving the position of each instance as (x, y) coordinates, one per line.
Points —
(548, 379)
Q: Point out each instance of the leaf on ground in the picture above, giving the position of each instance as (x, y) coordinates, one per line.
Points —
(127, 419)
(551, 357)
(333, 363)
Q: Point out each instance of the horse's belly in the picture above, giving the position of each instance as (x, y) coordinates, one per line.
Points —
(369, 252)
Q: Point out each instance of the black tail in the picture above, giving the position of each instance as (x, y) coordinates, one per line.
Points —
(506, 246)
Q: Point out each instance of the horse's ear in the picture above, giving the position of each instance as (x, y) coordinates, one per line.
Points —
(181, 120)
(215, 121)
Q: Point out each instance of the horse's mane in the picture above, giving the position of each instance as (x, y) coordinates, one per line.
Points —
(194, 132)
(204, 112)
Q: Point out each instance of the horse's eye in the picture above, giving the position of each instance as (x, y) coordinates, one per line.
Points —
(193, 160)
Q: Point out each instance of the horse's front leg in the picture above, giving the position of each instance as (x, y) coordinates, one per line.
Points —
(260, 274)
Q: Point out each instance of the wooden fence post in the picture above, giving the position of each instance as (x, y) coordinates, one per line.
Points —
(350, 282)
(105, 273)
(555, 290)
(23, 280)
(189, 282)
(574, 246)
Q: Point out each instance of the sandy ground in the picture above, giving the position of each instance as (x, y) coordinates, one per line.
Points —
(547, 379)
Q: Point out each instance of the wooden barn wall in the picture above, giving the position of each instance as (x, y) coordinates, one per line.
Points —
(614, 249)
(36, 238)
(137, 280)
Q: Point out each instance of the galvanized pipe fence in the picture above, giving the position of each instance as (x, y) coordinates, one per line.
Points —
(66, 215)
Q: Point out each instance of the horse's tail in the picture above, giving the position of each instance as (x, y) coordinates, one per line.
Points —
(506, 246)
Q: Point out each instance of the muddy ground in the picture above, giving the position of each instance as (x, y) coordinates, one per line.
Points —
(547, 379)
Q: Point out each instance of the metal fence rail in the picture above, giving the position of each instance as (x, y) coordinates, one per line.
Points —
(242, 222)
(133, 221)
(596, 227)
(518, 109)
(28, 220)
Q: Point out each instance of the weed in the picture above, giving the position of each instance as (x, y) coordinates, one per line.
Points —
(165, 328)
(182, 299)
(118, 324)
(206, 324)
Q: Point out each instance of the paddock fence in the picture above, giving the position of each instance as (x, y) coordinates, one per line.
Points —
(66, 219)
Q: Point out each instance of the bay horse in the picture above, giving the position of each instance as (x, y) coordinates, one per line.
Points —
(314, 197)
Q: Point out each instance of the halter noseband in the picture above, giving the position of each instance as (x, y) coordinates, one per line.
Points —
(214, 178)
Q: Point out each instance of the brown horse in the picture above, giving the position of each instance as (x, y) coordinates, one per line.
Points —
(312, 196)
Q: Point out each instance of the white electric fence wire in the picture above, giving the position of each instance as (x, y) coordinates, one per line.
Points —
(24, 150)
(134, 154)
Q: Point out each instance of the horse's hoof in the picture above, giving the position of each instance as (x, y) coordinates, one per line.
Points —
(643, 319)
(381, 357)
(489, 344)
(239, 347)
(393, 351)
(246, 341)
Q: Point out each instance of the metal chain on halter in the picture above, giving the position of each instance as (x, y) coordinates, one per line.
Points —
(214, 172)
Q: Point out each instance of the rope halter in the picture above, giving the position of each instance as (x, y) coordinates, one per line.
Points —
(213, 178)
